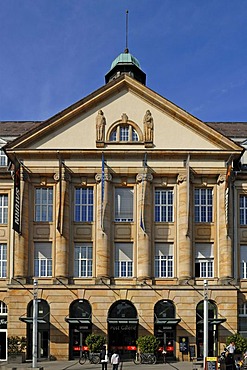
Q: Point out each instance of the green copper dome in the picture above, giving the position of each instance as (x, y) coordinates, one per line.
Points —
(125, 58)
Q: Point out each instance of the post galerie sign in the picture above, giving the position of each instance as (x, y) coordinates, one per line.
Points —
(17, 198)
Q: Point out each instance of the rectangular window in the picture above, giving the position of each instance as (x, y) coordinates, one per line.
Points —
(163, 262)
(83, 260)
(243, 209)
(3, 208)
(124, 133)
(163, 205)
(43, 204)
(3, 260)
(124, 204)
(84, 204)
(203, 203)
(3, 159)
(123, 259)
(43, 259)
(204, 260)
(243, 262)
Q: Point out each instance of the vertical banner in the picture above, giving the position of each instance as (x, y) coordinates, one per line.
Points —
(17, 199)
(102, 190)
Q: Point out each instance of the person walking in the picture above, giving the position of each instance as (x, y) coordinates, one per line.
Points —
(115, 360)
(230, 358)
(103, 358)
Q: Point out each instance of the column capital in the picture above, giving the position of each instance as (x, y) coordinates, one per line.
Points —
(144, 177)
(107, 177)
(221, 178)
(181, 178)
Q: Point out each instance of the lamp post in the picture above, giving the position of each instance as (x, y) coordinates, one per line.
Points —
(205, 321)
(35, 323)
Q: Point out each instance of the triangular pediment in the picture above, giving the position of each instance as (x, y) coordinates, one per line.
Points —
(124, 101)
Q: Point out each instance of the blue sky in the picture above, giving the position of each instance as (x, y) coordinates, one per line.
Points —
(55, 52)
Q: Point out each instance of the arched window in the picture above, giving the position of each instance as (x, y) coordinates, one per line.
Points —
(80, 308)
(164, 309)
(122, 309)
(124, 133)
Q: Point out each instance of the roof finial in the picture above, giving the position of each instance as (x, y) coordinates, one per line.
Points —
(127, 30)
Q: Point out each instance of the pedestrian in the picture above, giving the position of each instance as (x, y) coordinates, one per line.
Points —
(115, 359)
(103, 358)
(230, 358)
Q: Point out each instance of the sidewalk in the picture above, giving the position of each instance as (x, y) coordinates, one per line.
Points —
(74, 365)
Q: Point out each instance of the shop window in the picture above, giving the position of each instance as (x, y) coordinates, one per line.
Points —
(3, 260)
(83, 259)
(84, 204)
(203, 203)
(163, 205)
(123, 260)
(124, 204)
(43, 204)
(43, 259)
(243, 209)
(3, 208)
(204, 260)
(163, 264)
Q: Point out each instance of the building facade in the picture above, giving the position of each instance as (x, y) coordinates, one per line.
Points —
(121, 206)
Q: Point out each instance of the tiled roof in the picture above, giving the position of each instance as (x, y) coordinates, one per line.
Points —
(16, 128)
(230, 129)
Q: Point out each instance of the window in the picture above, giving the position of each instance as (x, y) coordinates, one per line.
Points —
(124, 132)
(43, 204)
(163, 205)
(83, 259)
(163, 264)
(3, 208)
(243, 262)
(124, 204)
(242, 319)
(3, 308)
(3, 260)
(3, 159)
(204, 261)
(84, 204)
(204, 205)
(243, 209)
(42, 259)
(123, 259)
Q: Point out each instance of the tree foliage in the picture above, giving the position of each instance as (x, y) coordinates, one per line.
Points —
(148, 344)
(240, 342)
(16, 344)
(95, 342)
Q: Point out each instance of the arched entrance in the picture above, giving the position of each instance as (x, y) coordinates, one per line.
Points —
(165, 324)
(3, 331)
(80, 325)
(43, 333)
(123, 328)
(213, 323)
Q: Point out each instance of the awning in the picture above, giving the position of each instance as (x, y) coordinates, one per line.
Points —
(29, 320)
(78, 320)
(213, 321)
(167, 321)
(122, 321)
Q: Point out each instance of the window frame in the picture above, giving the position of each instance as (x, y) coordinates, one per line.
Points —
(3, 260)
(43, 204)
(123, 267)
(203, 210)
(45, 263)
(85, 210)
(243, 209)
(121, 201)
(4, 201)
(87, 260)
(204, 263)
(164, 261)
(163, 209)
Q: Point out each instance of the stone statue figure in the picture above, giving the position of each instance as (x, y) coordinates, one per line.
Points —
(100, 126)
(148, 126)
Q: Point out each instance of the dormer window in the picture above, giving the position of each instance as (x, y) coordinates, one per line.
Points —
(124, 133)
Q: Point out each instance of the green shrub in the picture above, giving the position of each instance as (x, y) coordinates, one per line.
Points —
(148, 344)
(95, 342)
(240, 342)
(16, 344)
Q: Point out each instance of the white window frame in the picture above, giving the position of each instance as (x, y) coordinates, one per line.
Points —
(243, 262)
(43, 259)
(3, 159)
(83, 260)
(3, 260)
(124, 133)
(123, 260)
(163, 261)
(4, 208)
(243, 209)
(124, 204)
(83, 211)
(203, 205)
(204, 259)
(164, 205)
(43, 204)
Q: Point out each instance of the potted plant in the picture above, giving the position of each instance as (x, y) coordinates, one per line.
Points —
(148, 344)
(16, 348)
(95, 342)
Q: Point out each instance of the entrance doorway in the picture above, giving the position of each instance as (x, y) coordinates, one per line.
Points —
(3, 331)
(123, 328)
(80, 326)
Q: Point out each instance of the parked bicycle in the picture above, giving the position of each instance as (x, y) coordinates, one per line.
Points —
(93, 358)
(144, 358)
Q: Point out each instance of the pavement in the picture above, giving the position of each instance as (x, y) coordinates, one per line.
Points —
(74, 365)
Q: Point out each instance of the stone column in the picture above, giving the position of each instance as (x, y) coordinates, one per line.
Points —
(21, 241)
(225, 253)
(184, 249)
(143, 218)
(62, 224)
(103, 227)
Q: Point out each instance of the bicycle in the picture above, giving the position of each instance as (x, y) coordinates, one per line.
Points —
(144, 358)
(93, 358)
